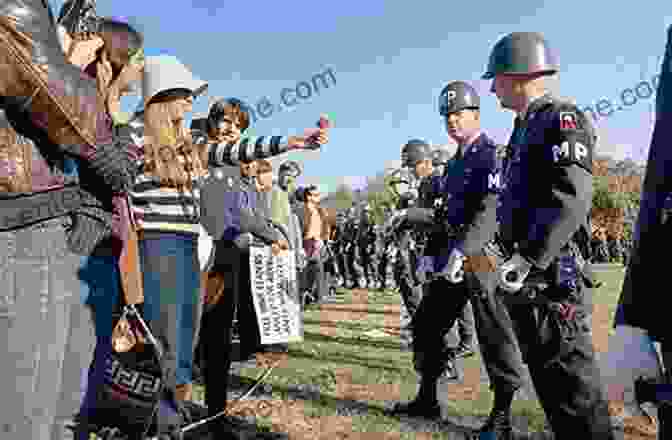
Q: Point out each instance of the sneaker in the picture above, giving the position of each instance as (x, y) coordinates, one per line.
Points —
(418, 408)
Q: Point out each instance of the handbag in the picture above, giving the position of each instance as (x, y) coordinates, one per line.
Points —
(133, 380)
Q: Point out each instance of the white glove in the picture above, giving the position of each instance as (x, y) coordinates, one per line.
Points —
(453, 270)
(516, 266)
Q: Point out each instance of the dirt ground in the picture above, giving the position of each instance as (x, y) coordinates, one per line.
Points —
(289, 416)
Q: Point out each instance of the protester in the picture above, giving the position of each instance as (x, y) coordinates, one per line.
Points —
(315, 231)
(42, 135)
(229, 215)
(117, 69)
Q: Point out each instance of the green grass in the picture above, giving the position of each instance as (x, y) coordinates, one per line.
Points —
(374, 363)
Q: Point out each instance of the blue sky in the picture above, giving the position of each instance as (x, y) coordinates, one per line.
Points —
(392, 58)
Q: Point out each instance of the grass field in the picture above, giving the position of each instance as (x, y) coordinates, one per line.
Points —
(337, 383)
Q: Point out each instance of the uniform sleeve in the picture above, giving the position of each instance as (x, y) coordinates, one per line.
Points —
(567, 154)
(247, 149)
(480, 223)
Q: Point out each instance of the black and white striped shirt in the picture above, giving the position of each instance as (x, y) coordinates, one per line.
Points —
(171, 210)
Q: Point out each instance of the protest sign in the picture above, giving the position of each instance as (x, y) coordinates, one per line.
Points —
(276, 295)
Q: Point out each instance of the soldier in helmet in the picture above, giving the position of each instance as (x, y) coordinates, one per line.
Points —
(461, 214)
(416, 160)
(440, 158)
(367, 248)
(544, 204)
(352, 250)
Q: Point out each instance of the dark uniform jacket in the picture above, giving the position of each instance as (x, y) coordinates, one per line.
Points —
(548, 189)
(464, 203)
(641, 304)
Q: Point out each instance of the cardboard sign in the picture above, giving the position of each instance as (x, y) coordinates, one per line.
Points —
(276, 296)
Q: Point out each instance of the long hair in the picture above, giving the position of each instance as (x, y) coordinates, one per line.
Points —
(170, 154)
(122, 42)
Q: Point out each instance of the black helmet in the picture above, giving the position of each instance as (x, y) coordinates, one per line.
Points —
(457, 96)
(441, 156)
(521, 52)
(291, 168)
(415, 151)
(217, 113)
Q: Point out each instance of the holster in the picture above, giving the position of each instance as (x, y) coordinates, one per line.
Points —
(33, 67)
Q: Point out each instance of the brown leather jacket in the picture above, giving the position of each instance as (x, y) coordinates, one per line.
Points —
(60, 98)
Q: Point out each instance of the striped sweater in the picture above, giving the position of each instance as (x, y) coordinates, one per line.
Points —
(169, 210)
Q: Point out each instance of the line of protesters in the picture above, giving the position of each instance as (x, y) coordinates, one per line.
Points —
(101, 213)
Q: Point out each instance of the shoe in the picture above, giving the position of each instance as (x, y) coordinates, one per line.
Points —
(275, 348)
(497, 427)
(451, 372)
(233, 428)
(418, 408)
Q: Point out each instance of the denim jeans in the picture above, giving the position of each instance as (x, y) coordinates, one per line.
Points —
(38, 296)
(100, 292)
(171, 280)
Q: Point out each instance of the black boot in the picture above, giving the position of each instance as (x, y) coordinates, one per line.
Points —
(424, 405)
(664, 421)
(497, 427)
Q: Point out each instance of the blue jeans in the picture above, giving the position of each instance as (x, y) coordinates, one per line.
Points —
(38, 298)
(100, 289)
(171, 281)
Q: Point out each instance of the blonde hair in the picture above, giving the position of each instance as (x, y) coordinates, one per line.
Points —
(170, 154)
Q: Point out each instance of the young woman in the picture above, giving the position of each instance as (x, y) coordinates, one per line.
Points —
(100, 225)
(166, 202)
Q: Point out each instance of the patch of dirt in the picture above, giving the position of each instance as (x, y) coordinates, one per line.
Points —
(290, 416)
(602, 324)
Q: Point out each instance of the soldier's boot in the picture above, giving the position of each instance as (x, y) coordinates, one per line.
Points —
(451, 371)
(371, 285)
(361, 283)
(425, 404)
(664, 421)
(497, 427)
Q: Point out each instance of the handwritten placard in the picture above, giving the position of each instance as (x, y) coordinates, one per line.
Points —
(276, 296)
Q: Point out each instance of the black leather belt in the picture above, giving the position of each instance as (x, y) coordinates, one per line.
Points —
(20, 211)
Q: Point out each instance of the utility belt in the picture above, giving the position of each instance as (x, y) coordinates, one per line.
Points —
(22, 210)
(571, 250)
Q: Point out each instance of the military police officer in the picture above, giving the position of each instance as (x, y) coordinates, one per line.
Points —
(546, 200)
(416, 157)
(463, 222)
(638, 309)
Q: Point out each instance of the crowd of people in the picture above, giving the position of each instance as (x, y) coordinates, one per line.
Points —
(111, 305)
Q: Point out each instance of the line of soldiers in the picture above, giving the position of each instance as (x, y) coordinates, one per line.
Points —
(365, 258)
(507, 231)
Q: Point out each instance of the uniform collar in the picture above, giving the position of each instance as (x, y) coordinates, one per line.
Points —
(533, 105)
(470, 144)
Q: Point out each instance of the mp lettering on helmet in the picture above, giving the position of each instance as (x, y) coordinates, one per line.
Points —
(568, 121)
